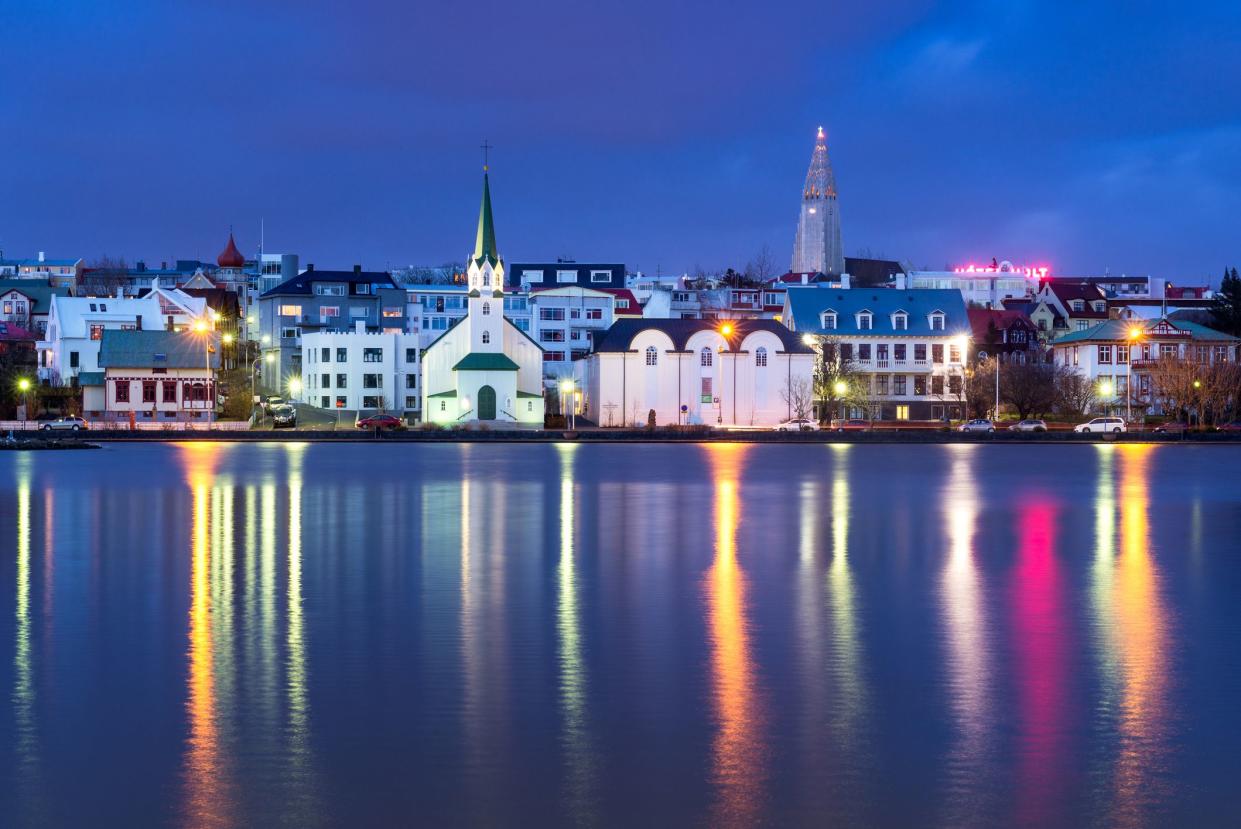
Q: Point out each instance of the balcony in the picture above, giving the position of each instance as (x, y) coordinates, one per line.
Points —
(881, 363)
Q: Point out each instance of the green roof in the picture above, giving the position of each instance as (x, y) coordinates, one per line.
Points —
(90, 378)
(1118, 331)
(39, 292)
(524, 394)
(451, 393)
(156, 349)
(485, 361)
(485, 249)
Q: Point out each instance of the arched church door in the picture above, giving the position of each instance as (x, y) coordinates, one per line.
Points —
(486, 403)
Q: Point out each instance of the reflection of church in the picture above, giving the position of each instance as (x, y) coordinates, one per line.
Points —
(484, 367)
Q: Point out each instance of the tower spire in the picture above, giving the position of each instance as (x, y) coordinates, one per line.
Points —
(485, 249)
(817, 247)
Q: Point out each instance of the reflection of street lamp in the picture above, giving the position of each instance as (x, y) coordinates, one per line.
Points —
(566, 388)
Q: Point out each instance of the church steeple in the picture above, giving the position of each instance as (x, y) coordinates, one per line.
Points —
(820, 180)
(817, 247)
(485, 249)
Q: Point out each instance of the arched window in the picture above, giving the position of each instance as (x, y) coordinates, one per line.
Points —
(486, 308)
(486, 277)
(760, 356)
(652, 356)
(486, 337)
(706, 357)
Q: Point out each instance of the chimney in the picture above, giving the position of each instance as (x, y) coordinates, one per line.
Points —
(357, 269)
(900, 281)
(163, 266)
(844, 281)
(40, 256)
(359, 327)
(805, 278)
(310, 266)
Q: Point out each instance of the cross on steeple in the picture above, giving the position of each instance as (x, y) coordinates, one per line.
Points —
(486, 148)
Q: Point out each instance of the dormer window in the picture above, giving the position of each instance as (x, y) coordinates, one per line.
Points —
(829, 320)
(937, 320)
(1077, 304)
(900, 321)
(865, 320)
(1100, 306)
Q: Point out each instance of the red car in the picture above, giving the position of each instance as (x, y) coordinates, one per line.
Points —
(850, 425)
(1234, 426)
(380, 421)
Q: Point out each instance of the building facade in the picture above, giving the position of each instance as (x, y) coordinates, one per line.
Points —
(901, 354)
(362, 372)
(817, 248)
(566, 322)
(534, 276)
(152, 376)
(694, 372)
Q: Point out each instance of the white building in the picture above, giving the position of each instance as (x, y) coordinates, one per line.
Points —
(817, 247)
(357, 371)
(693, 372)
(981, 286)
(75, 327)
(152, 376)
(566, 322)
(439, 307)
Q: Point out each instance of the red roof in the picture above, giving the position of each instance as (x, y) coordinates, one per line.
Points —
(231, 257)
(9, 331)
(635, 307)
(981, 318)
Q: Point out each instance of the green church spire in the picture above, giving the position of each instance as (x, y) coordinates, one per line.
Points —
(485, 249)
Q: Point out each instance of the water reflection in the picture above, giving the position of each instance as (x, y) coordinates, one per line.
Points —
(303, 798)
(1040, 631)
(969, 680)
(845, 636)
(27, 740)
(737, 762)
(579, 766)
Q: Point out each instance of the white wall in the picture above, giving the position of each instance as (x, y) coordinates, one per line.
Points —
(393, 368)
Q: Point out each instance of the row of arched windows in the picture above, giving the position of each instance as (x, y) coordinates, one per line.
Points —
(706, 356)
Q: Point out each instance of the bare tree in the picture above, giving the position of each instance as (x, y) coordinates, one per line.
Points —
(798, 396)
(105, 276)
(1075, 394)
(763, 266)
(1030, 388)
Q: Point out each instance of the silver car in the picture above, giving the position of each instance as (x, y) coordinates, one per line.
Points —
(976, 425)
(1028, 426)
(71, 423)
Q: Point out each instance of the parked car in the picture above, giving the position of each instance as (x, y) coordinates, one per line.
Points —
(1173, 428)
(271, 403)
(71, 423)
(1234, 426)
(1028, 426)
(284, 415)
(797, 424)
(1102, 424)
(850, 425)
(976, 425)
(380, 421)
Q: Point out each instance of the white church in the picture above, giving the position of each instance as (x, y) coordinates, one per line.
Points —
(817, 247)
(484, 368)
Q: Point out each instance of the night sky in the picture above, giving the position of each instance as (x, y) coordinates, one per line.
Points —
(1085, 136)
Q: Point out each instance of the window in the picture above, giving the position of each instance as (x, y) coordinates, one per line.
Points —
(288, 333)
(361, 288)
(169, 391)
(487, 337)
(829, 320)
(96, 332)
(342, 355)
(122, 391)
(342, 381)
(1074, 355)
(575, 313)
(881, 353)
(863, 352)
(937, 353)
(359, 312)
(73, 360)
(1082, 325)
(531, 276)
(325, 381)
(652, 356)
(486, 279)
(1219, 353)
(1105, 355)
(881, 384)
(902, 413)
(1122, 355)
(325, 355)
(328, 311)
(865, 320)
(954, 384)
(372, 355)
(760, 356)
(954, 353)
(600, 276)
(329, 290)
(706, 357)
(898, 352)
(680, 296)
(594, 313)
(411, 355)
(846, 352)
(290, 310)
(439, 324)
(551, 313)
(919, 384)
(551, 335)
(411, 402)
(411, 381)
(899, 384)
(372, 381)
(341, 401)
(622, 304)
(370, 402)
(522, 325)
(566, 276)
(94, 308)
(553, 356)
(1201, 354)
(900, 321)
(391, 311)
(486, 308)
(937, 321)
(937, 384)
(920, 352)
(1167, 351)
(148, 391)
(325, 402)
(1077, 304)
(443, 406)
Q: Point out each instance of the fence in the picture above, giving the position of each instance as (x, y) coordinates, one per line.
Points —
(124, 426)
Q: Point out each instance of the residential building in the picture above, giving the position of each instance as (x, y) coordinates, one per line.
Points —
(817, 246)
(1080, 305)
(1118, 355)
(152, 376)
(60, 273)
(904, 352)
(625, 304)
(1049, 322)
(324, 301)
(566, 322)
(360, 371)
(982, 286)
(483, 368)
(762, 302)
(694, 372)
(76, 326)
(27, 302)
(1009, 335)
(533, 276)
(678, 303)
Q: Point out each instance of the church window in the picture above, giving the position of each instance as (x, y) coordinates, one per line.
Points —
(760, 356)
(652, 356)
(486, 308)
(706, 357)
(486, 337)
(486, 277)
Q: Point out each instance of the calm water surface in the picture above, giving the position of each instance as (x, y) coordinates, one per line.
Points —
(305, 635)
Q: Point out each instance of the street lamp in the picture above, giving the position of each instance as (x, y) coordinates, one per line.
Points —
(1105, 389)
(566, 388)
(1135, 334)
(962, 343)
(295, 387)
(200, 327)
(727, 330)
(23, 386)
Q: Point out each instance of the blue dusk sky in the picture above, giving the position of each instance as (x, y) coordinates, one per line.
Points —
(1082, 135)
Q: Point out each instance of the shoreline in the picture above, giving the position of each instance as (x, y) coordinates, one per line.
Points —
(604, 436)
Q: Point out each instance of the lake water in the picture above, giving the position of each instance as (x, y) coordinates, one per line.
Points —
(354, 635)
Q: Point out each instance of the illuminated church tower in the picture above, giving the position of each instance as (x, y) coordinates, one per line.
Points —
(817, 248)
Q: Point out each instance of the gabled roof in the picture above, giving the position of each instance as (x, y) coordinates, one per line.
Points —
(1118, 331)
(635, 307)
(620, 336)
(1089, 292)
(981, 319)
(302, 284)
(15, 333)
(157, 349)
(807, 305)
(485, 361)
(39, 293)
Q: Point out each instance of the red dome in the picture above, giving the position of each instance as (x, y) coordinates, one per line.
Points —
(231, 257)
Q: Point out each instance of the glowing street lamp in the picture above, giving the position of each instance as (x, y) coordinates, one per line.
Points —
(566, 388)
(1134, 333)
(23, 386)
(808, 339)
(295, 386)
(227, 339)
(726, 329)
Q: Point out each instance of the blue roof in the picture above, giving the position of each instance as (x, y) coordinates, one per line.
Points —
(807, 305)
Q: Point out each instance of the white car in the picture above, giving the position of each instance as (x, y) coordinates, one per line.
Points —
(797, 424)
(977, 425)
(72, 423)
(1102, 424)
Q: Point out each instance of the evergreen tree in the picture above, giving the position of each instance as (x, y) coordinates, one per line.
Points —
(1226, 309)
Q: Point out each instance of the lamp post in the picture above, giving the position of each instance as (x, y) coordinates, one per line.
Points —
(23, 386)
(1135, 334)
(201, 327)
(566, 388)
(727, 331)
(295, 387)
(962, 343)
(1105, 389)
(820, 367)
